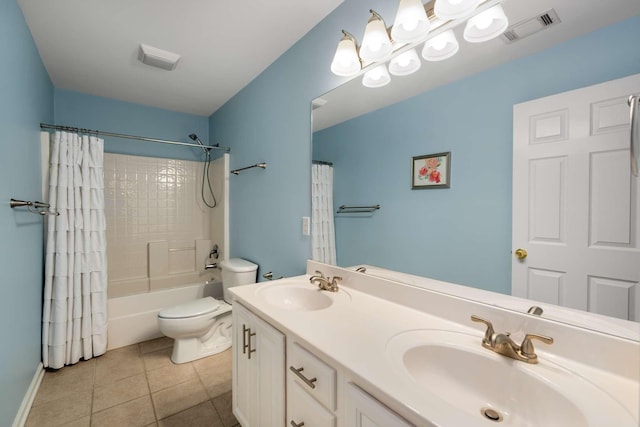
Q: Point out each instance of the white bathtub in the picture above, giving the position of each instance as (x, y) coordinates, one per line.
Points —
(133, 319)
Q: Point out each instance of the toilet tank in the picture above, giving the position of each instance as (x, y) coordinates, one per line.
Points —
(236, 272)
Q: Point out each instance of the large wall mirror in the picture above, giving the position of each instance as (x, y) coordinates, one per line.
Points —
(463, 106)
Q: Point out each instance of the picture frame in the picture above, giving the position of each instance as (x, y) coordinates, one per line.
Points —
(431, 171)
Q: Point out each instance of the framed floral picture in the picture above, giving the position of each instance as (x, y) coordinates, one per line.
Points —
(431, 171)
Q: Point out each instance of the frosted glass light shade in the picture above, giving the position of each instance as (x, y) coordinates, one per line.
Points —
(346, 61)
(376, 77)
(411, 22)
(404, 64)
(454, 9)
(486, 25)
(376, 45)
(440, 47)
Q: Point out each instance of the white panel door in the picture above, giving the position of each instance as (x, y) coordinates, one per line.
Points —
(576, 205)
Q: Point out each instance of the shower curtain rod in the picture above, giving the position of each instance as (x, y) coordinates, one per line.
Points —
(140, 138)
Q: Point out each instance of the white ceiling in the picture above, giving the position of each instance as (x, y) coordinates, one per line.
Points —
(91, 46)
(577, 17)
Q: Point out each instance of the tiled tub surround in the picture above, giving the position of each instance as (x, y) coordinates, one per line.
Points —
(159, 233)
(137, 385)
(351, 335)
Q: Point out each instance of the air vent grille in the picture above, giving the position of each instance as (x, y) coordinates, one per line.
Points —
(530, 26)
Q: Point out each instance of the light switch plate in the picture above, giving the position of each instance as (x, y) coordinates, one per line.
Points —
(306, 226)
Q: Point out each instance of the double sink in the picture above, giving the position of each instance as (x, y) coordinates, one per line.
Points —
(453, 368)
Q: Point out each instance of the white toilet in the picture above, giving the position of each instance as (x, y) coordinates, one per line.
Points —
(202, 327)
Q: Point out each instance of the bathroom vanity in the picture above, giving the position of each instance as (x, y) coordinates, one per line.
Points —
(386, 353)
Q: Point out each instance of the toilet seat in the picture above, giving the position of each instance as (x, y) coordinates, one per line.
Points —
(199, 307)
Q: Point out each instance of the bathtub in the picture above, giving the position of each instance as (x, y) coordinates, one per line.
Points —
(133, 318)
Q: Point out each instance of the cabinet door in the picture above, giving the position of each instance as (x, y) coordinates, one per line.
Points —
(269, 359)
(243, 385)
(362, 410)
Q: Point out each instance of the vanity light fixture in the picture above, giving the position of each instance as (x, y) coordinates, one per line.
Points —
(486, 25)
(376, 44)
(454, 9)
(442, 46)
(404, 64)
(411, 22)
(376, 77)
(346, 61)
(415, 23)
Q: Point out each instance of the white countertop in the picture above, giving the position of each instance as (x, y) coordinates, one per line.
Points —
(354, 331)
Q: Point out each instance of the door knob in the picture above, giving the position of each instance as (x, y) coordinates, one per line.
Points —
(520, 253)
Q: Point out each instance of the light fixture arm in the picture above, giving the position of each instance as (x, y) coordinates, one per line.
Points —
(375, 16)
(346, 35)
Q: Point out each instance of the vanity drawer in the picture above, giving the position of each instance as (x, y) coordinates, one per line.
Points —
(305, 410)
(313, 375)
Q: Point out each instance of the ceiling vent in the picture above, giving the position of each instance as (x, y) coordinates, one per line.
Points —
(530, 26)
(157, 57)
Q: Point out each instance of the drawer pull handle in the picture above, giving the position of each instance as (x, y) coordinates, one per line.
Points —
(293, 423)
(244, 339)
(307, 381)
(251, 350)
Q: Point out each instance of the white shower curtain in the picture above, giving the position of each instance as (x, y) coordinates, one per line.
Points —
(74, 321)
(323, 242)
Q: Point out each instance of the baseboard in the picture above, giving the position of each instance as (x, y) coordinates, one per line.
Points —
(25, 407)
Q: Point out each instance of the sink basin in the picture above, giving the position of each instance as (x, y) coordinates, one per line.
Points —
(494, 389)
(299, 296)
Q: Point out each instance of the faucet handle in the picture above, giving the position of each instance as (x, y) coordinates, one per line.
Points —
(489, 332)
(336, 280)
(526, 348)
(319, 273)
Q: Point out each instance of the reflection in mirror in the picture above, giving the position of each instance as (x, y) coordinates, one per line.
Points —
(463, 234)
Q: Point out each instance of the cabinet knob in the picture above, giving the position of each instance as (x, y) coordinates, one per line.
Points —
(294, 424)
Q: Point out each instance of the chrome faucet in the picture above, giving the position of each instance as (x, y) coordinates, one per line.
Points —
(325, 283)
(503, 344)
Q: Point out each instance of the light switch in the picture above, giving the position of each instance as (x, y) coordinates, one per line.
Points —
(306, 226)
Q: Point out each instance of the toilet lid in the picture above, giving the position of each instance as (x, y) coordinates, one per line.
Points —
(190, 309)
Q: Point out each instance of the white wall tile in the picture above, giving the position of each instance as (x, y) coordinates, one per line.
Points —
(151, 200)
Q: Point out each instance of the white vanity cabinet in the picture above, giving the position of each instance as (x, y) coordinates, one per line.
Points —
(258, 370)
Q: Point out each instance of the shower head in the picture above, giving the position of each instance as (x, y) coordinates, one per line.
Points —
(195, 138)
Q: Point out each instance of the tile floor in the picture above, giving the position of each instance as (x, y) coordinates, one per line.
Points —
(137, 385)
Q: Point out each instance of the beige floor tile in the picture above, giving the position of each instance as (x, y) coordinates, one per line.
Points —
(154, 345)
(109, 371)
(217, 384)
(177, 398)
(128, 352)
(223, 406)
(215, 373)
(158, 359)
(72, 407)
(70, 379)
(138, 412)
(216, 363)
(119, 392)
(82, 422)
(170, 375)
(202, 415)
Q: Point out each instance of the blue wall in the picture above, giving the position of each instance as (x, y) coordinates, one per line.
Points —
(269, 120)
(109, 115)
(26, 99)
(461, 234)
